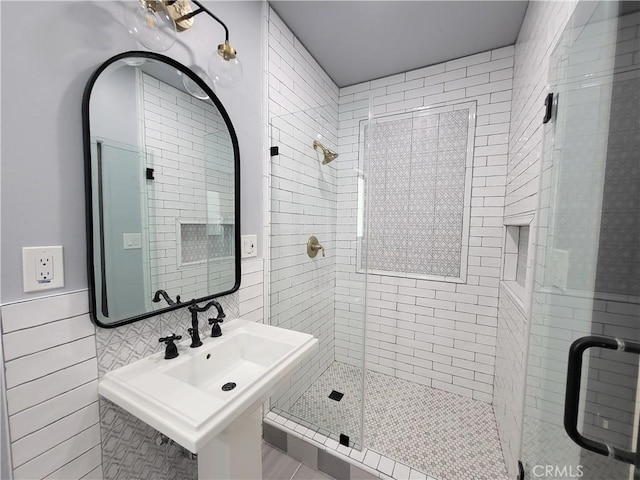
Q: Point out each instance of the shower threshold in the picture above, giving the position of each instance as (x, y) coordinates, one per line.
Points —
(411, 430)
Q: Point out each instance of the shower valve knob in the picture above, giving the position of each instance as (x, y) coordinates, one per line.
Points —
(313, 246)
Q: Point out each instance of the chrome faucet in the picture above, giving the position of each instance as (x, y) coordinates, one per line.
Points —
(194, 309)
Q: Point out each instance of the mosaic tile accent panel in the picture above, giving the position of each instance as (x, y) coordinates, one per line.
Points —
(447, 435)
(198, 246)
(117, 347)
(418, 168)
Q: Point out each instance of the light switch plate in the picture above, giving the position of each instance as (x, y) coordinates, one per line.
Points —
(249, 246)
(42, 268)
(132, 241)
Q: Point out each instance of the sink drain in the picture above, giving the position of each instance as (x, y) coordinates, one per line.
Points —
(228, 386)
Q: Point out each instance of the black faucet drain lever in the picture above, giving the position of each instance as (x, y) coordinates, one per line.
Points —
(171, 350)
(216, 331)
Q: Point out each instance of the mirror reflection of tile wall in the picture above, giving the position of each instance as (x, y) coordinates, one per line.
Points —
(190, 201)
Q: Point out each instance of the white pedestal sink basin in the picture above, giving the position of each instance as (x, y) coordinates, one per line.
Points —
(184, 398)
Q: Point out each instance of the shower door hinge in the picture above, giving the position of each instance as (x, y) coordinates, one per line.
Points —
(274, 151)
(520, 471)
(344, 439)
(548, 103)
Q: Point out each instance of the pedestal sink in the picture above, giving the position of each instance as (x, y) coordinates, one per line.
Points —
(209, 399)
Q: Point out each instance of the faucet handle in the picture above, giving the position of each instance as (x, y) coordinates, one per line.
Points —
(171, 338)
(172, 350)
(216, 331)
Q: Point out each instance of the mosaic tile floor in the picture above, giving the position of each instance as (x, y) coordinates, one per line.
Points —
(449, 436)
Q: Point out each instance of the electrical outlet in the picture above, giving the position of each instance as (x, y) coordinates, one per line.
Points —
(249, 246)
(42, 268)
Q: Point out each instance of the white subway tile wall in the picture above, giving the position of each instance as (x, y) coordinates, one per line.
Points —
(435, 333)
(188, 147)
(542, 26)
(52, 396)
(53, 356)
(509, 384)
(303, 107)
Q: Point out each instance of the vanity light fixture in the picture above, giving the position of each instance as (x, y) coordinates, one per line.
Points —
(155, 22)
(151, 25)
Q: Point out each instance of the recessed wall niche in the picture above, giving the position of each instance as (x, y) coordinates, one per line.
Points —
(514, 272)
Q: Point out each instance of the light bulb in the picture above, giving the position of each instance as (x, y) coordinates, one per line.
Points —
(226, 73)
(192, 87)
(134, 61)
(154, 29)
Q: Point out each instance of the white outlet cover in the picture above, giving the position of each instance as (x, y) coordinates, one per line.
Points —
(30, 258)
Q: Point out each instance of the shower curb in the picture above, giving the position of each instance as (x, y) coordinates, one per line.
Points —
(368, 461)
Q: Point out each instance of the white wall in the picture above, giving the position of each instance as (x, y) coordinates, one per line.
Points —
(47, 59)
(433, 332)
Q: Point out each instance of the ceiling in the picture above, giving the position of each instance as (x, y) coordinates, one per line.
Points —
(356, 41)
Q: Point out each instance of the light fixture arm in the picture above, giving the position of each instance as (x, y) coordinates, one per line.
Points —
(201, 9)
(225, 68)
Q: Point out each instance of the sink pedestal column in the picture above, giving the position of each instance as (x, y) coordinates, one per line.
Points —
(236, 453)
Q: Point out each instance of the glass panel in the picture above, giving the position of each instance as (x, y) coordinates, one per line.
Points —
(587, 278)
(120, 231)
(323, 295)
(220, 218)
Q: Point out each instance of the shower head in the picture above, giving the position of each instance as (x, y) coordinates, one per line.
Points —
(329, 156)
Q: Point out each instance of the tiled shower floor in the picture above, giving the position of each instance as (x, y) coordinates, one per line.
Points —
(449, 436)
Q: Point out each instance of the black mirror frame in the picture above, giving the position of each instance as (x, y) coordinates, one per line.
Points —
(86, 135)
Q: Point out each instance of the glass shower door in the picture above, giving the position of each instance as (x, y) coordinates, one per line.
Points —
(319, 291)
(582, 411)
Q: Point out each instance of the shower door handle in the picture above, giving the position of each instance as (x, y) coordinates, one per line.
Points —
(572, 394)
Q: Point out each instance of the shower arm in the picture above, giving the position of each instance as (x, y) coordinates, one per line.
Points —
(328, 154)
(317, 144)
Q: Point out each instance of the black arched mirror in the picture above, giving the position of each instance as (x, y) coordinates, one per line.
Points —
(162, 178)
